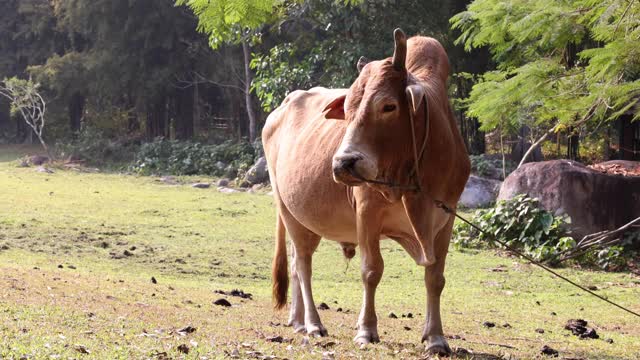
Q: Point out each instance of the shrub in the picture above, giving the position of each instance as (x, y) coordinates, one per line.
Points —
(191, 158)
(93, 146)
(485, 166)
(523, 224)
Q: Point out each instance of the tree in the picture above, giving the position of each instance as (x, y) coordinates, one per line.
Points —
(25, 99)
(560, 64)
(318, 42)
(233, 21)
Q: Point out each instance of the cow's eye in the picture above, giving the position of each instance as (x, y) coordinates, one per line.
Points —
(388, 108)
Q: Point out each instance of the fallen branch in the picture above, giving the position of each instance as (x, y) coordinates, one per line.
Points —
(600, 239)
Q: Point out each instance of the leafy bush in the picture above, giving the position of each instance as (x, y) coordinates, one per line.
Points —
(190, 158)
(94, 147)
(521, 223)
(485, 166)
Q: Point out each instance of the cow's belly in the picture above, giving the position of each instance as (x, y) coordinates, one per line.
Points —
(305, 180)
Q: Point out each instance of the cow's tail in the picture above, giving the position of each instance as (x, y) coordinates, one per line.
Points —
(279, 268)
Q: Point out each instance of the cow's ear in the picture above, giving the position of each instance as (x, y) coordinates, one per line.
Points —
(335, 109)
(415, 95)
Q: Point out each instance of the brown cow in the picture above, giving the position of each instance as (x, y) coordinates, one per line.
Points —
(362, 164)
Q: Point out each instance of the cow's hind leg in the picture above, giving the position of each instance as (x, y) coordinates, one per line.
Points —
(434, 281)
(305, 244)
(296, 314)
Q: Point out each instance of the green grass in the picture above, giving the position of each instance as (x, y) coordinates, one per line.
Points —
(196, 241)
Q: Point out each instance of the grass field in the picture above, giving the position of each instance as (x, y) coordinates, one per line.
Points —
(78, 251)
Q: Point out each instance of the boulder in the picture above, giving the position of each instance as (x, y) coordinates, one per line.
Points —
(223, 182)
(595, 201)
(479, 192)
(258, 173)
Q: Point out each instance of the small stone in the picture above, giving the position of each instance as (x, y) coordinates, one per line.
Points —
(610, 341)
(43, 169)
(201, 185)
(540, 331)
(71, 267)
(546, 350)
(323, 306)
(339, 309)
(183, 348)
(393, 316)
(409, 316)
(226, 190)
(222, 302)
(506, 326)
(187, 330)
(592, 287)
(489, 324)
(553, 313)
(82, 349)
(590, 334)
(60, 266)
(153, 280)
(127, 253)
(407, 328)
(275, 339)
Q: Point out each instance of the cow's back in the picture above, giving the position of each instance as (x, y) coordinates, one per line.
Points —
(299, 144)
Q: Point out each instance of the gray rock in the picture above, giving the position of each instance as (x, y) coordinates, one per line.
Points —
(169, 180)
(594, 201)
(226, 190)
(43, 169)
(479, 192)
(223, 182)
(201, 185)
(258, 173)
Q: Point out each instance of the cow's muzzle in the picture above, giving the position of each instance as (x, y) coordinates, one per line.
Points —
(351, 168)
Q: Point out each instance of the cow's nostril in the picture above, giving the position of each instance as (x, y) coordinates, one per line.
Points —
(348, 163)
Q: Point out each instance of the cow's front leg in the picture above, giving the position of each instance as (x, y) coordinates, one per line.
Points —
(372, 267)
(434, 281)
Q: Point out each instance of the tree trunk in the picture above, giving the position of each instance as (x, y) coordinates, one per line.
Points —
(184, 114)
(196, 111)
(247, 91)
(534, 146)
(76, 109)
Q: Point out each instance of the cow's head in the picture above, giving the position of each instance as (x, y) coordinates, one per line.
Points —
(377, 142)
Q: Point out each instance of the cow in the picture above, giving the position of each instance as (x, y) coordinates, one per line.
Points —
(378, 160)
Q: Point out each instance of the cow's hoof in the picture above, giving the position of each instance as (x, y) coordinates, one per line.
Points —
(298, 326)
(365, 337)
(437, 345)
(317, 331)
